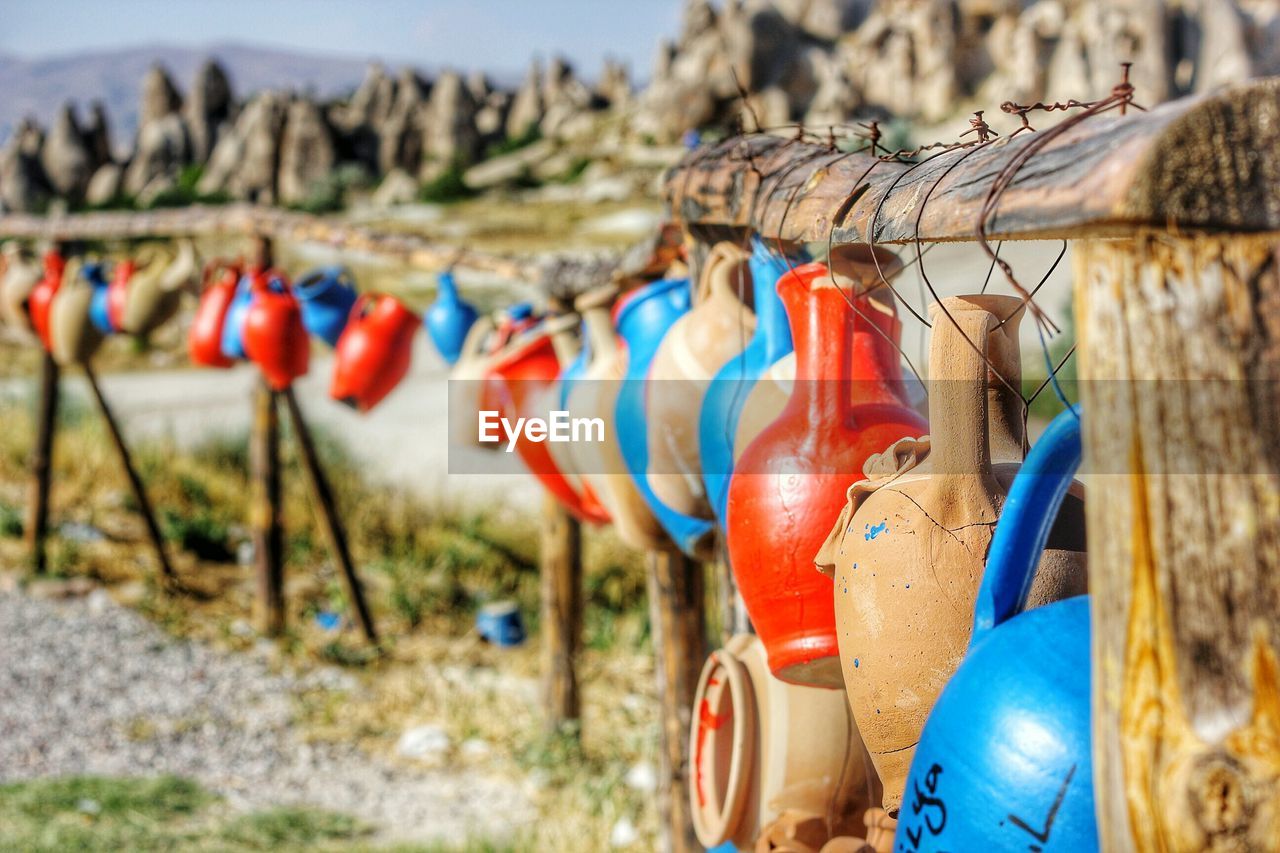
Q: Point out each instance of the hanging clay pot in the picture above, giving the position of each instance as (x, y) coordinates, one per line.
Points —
(41, 298)
(253, 280)
(204, 338)
(274, 337)
(527, 367)
(771, 758)
(642, 318)
(94, 274)
(73, 336)
(791, 481)
(155, 290)
(1004, 762)
(374, 352)
(449, 319)
(764, 403)
(691, 353)
(472, 385)
(21, 275)
(572, 354)
(595, 395)
(727, 396)
(907, 552)
(327, 296)
(118, 291)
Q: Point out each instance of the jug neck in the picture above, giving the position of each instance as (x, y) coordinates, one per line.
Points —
(601, 337)
(448, 288)
(971, 356)
(773, 328)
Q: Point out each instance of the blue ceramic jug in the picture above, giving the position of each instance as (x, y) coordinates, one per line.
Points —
(642, 319)
(449, 319)
(99, 314)
(722, 406)
(233, 325)
(1004, 762)
(326, 296)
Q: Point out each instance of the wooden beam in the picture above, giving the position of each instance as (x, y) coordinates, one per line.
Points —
(561, 613)
(266, 511)
(1180, 366)
(36, 528)
(1204, 163)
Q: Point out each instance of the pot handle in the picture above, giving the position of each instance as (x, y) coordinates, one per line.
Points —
(715, 819)
(1025, 522)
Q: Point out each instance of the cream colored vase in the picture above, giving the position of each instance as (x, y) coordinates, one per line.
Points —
(718, 327)
(771, 761)
(155, 290)
(21, 274)
(908, 551)
(73, 336)
(466, 385)
(595, 395)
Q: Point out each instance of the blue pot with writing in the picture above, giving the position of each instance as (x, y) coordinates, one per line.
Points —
(1005, 759)
(99, 312)
(722, 405)
(326, 296)
(449, 319)
(233, 325)
(642, 319)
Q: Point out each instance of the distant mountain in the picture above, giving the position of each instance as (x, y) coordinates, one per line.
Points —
(39, 87)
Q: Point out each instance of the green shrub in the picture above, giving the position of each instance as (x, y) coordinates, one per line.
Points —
(448, 187)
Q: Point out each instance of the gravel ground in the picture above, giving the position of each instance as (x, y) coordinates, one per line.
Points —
(88, 686)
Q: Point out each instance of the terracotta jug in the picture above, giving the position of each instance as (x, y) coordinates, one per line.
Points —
(155, 290)
(727, 395)
(791, 481)
(274, 336)
(374, 352)
(908, 550)
(204, 338)
(772, 759)
(73, 336)
(696, 347)
(643, 317)
(595, 395)
(21, 275)
(527, 367)
(41, 298)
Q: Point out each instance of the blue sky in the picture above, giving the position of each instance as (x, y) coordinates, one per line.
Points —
(490, 34)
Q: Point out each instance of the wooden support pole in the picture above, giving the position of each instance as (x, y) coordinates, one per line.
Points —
(36, 528)
(1180, 365)
(561, 612)
(678, 628)
(334, 530)
(266, 511)
(168, 577)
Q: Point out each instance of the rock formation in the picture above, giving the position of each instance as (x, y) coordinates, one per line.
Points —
(307, 154)
(65, 157)
(208, 108)
(163, 146)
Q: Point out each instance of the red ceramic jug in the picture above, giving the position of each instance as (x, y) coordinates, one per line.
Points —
(204, 340)
(374, 351)
(528, 367)
(118, 292)
(41, 298)
(274, 337)
(847, 403)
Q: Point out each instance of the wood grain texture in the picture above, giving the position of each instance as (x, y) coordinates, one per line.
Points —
(1180, 357)
(1205, 163)
(36, 523)
(266, 511)
(561, 613)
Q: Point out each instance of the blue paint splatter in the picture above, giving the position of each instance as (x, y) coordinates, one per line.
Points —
(873, 532)
(855, 663)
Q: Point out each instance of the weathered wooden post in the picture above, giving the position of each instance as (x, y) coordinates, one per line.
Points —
(36, 527)
(561, 574)
(677, 625)
(334, 531)
(266, 511)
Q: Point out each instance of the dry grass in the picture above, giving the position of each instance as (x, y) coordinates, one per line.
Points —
(426, 571)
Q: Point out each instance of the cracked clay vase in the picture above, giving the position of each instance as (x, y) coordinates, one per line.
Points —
(595, 395)
(772, 760)
(908, 551)
(790, 483)
(691, 353)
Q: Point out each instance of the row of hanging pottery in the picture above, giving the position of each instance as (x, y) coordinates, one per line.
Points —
(70, 306)
(257, 314)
